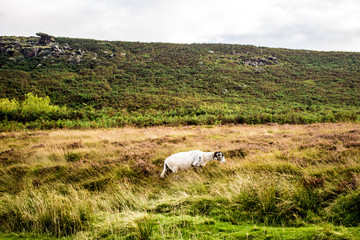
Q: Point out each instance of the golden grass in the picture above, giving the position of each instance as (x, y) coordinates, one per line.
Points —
(262, 143)
(283, 169)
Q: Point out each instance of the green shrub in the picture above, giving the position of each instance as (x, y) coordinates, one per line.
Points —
(31, 110)
(8, 106)
(34, 107)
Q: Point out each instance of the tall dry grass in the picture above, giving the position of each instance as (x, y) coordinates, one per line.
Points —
(102, 183)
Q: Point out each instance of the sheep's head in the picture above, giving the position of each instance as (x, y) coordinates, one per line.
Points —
(219, 156)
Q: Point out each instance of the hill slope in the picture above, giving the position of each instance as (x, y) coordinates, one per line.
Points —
(163, 83)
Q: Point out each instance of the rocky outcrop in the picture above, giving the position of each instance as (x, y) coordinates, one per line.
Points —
(245, 59)
(45, 39)
(75, 59)
(44, 47)
(259, 62)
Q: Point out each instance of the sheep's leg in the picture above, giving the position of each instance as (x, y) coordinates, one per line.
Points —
(164, 172)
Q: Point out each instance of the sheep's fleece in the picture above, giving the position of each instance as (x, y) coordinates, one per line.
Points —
(186, 160)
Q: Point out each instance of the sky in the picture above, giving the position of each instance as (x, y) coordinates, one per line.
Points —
(325, 25)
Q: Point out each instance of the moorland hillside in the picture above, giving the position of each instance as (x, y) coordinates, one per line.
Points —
(114, 83)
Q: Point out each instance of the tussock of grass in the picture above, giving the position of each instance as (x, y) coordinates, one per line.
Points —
(46, 211)
(270, 187)
(346, 209)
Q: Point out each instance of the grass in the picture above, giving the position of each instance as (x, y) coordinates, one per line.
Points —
(279, 182)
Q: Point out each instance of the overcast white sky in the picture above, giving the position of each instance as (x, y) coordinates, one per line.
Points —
(298, 24)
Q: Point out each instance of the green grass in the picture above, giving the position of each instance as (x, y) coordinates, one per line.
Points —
(187, 227)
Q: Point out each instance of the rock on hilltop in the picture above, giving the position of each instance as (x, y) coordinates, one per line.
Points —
(43, 46)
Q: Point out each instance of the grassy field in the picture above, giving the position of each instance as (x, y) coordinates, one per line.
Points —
(279, 182)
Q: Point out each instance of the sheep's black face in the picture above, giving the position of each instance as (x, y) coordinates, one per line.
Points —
(219, 156)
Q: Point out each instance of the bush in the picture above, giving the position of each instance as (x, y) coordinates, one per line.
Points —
(8, 106)
(34, 107)
(31, 109)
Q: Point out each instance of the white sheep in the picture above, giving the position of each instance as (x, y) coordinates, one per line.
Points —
(186, 160)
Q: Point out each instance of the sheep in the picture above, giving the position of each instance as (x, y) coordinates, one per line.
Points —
(186, 160)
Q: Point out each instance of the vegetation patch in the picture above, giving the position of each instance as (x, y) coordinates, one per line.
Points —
(118, 84)
(73, 156)
(346, 209)
(11, 156)
(288, 189)
(240, 153)
(97, 184)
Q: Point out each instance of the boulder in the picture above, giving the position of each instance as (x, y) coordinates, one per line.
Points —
(41, 53)
(77, 60)
(263, 60)
(45, 38)
(272, 58)
(10, 51)
(56, 48)
(259, 70)
(74, 59)
(56, 55)
(29, 52)
(17, 46)
(66, 46)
